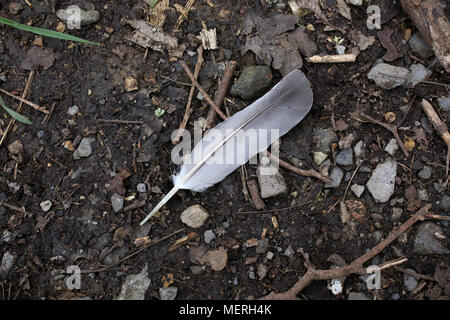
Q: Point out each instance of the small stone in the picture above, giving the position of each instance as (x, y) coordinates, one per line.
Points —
(382, 182)
(61, 27)
(336, 177)
(357, 190)
(395, 296)
(141, 187)
(15, 7)
(319, 157)
(194, 216)
(409, 281)
(418, 73)
(196, 270)
(347, 141)
(345, 157)
(289, 251)
(73, 110)
(135, 286)
(355, 2)
(262, 271)
(426, 242)
(16, 147)
(340, 49)
(84, 149)
(262, 246)
(359, 149)
(425, 173)
(168, 293)
(387, 76)
(357, 296)
(422, 194)
(391, 147)
(131, 84)
(75, 17)
(323, 138)
(269, 255)
(46, 205)
(418, 44)
(117, 202)
(444, 103)
(270, 180)
(209, 236)
(7, 263)
(253, 81)
(444, 203)
(396, 214)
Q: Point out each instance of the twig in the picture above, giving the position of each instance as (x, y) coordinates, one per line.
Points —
(221, 91)
(279, 209)
(183, 14)
(339, 58)
(188, 111)
(25, 94)
(202, 91)
(416, 275)
(47, 117)
(12, 207)
(176, 81)
(31, 104)
(254, 193)
(307, 173)
(392, 128)
(356, 267)
(440, 127)
(133, 254)
(121, 121)
(436, 216)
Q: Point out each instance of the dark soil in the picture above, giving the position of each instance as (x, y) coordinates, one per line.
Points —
(82, 229)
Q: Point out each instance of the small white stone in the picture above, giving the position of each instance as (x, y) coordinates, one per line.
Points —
(391, 147)
(141, 187)
(357, 189)
(46, 205)
(73, 110)
(194, 216)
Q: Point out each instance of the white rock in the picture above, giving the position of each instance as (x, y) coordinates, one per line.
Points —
(357, 189)
(382, 182)
(194, 216)
(46, 205)
(135, 286)
(355, 2)
(391, 147)
(73, 110)
(417, 72)
(270, 180)
(387, 76)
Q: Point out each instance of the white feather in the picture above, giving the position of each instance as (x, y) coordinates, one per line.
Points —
(209, 162)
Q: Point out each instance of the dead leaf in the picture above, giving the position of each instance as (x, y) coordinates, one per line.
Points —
(180, 241)
(395, 48)
(356, 209)
(411, 197)
(168, 281)
(216, 258)
(362, 41)
(390, 117)
(38, 57)
(251, 242)
(344, 9)
(340, 125)
(143, 241)
(42, 221)
(116, 183)
(314, 6)
(153, 37)
(420, 136)
(409, 143)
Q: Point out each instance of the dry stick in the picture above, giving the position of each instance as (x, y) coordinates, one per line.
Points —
(392, 128)
(202, 91)
(221, 91)
(25, 93)
(188, 111)
(339, 58)
(121, 121)
(12, 207)
(134, 253)
(254, 193)
(31, 104)
(439, 126)
(356, 267)
(416, 275)
(307, 173)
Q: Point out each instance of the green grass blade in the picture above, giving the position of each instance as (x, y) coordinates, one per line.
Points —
(14, 114)
(45, 32)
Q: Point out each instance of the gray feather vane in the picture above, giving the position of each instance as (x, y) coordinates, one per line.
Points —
(250, 131)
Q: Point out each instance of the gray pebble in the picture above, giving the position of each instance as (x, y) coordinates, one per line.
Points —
(168, 293)
(117, 202)
(336, 176)
(345, 157)
(409, 281)
(425, 173)
(209, 236)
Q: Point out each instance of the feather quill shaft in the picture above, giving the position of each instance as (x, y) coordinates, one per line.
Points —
(281, 108)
